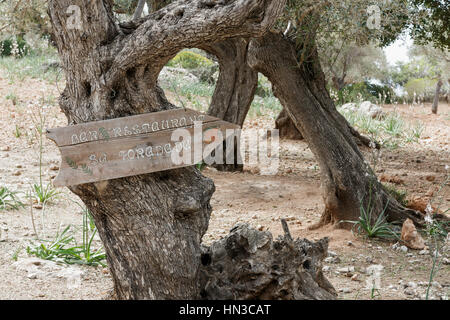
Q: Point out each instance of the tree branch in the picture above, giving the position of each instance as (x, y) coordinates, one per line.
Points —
(185, 24)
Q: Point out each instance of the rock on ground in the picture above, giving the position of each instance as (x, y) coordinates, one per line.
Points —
(366, 108)
(411, 237)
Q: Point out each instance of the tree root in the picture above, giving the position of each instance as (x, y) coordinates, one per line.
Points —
(248, 264)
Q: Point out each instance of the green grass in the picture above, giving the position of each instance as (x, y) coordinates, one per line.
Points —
(17, 132)
(262, 105)
(391, 130)
(190, 89)
(31, 66)
(12, 96)
(64, 247)
(9, 200)
(393, 124)
(44, 194)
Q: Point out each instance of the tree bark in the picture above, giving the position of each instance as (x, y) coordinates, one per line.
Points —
(151, 225)
(287, 128)
(347, 179)
(234, 92)
(268, 270)
(434, 107)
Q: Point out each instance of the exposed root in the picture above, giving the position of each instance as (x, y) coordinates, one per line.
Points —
(363, 140)
(249, 265)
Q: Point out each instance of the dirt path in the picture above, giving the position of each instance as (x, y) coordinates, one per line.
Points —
(293, 193)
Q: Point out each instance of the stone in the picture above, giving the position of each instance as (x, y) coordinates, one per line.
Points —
(350, 107)
(47, 270)
(332, 253)
(346, 269)
(409, 292)
(369, 109)
(169, 74)
(5, 148)
(424, 252)
(332, 260)
(411, 237)
(403, 249)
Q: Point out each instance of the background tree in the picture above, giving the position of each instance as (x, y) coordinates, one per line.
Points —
(346, 63)
(439, 61)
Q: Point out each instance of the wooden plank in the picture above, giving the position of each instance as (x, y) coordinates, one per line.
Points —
(126, 126)
(124, 156)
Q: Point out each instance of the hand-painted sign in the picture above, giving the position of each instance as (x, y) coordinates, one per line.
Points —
(122, 147)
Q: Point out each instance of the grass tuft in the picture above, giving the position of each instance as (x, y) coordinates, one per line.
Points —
(9, 200)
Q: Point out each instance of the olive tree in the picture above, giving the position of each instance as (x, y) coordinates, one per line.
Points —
(152, 225)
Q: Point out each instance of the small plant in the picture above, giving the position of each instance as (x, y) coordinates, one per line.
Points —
(13, 98)
(44, 194)
(8, 200)
(370, 227)
(17, 132)
(393, 125)
(201, 165)
(378, 229)
(64, 248)
(418, 129)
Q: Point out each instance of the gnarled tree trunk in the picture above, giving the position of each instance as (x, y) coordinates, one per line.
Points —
(234, 92)
(347, 179)
(151, 225)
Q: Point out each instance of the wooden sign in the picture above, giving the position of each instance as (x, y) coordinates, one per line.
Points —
(122, 147)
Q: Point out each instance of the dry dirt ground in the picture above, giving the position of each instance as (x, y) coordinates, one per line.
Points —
(293, 193)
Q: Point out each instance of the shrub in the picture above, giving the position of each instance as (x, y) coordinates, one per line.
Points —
(355, 92)
(17, 47)
(364, 91)
(383, 93)
(190, 60)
